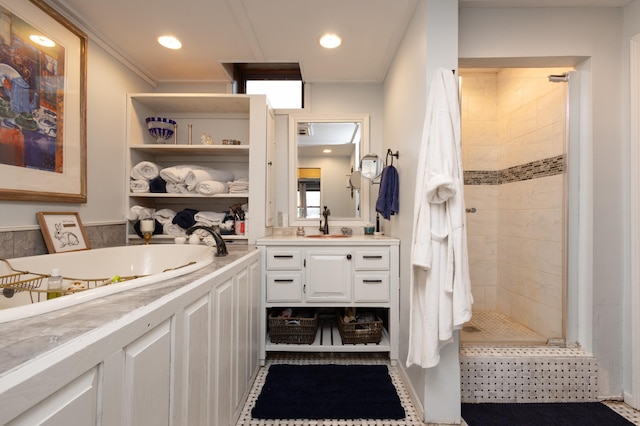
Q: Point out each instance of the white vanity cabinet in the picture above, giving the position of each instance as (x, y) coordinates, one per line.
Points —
(357, 271)
(246, 118)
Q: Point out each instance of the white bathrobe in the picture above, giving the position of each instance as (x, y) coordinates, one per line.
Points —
(440, 296)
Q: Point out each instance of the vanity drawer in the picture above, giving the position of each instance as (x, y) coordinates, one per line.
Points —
(284, 287)
(371, 287)
(374, 259)
(283, 258)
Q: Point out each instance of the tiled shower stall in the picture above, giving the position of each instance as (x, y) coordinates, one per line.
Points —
(514, 159)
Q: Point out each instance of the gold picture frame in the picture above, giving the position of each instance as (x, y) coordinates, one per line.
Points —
(42, 104)
(62, 231)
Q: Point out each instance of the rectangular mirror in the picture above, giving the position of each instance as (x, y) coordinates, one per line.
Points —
(326, 150)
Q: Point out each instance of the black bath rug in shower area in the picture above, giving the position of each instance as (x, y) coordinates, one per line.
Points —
(328, 392)
(542, 414)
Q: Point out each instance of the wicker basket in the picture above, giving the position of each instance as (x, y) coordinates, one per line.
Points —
(296, 330)
(360, 332)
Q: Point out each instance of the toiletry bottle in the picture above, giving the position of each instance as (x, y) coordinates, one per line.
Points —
(54, 284)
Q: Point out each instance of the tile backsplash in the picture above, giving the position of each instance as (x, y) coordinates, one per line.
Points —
(30, 242)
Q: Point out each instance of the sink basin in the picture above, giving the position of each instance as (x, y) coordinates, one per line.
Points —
(328, 236)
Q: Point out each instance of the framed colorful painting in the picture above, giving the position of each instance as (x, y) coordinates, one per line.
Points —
(42, 104)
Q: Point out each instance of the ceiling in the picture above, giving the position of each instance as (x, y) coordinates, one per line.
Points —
(214, 32)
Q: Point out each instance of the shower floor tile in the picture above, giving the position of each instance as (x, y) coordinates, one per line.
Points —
(490, 327)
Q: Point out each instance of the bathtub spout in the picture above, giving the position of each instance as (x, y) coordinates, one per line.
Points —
(221, 247)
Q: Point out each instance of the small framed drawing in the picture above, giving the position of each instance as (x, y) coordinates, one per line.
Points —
(62, 231)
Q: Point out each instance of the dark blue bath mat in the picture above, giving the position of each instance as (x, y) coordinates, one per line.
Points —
(328, 392)
(542, 414)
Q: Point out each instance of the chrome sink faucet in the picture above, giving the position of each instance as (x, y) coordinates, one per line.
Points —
(325, 229)
(221, 247)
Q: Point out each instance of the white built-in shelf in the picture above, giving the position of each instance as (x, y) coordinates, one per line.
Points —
(194, 102)
(184, 149)
(243, 195)
(328, 340)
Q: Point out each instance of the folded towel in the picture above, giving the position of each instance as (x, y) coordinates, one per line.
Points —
(173, 229)
(238, 186)
(145, 170)
(209, 218)
(185, 218)
(138, 212)
(177, 188)
(194, 176)
(387, 203)
(139, 185)
(178, 173)
(157, 185)
(211, 187)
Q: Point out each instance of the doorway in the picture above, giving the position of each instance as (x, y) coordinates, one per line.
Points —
(515, 161)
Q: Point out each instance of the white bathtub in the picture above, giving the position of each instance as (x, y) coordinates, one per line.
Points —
(153, 263)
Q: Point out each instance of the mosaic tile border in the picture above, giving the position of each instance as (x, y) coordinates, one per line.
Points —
(536, 169)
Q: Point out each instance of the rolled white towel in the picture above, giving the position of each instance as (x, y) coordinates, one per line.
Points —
(209, 218)
(194, 176)
(145, 170)
(211, 187)
(139, 185)
(164, 216)
(177, 188)
(178, 173)
(136, 212)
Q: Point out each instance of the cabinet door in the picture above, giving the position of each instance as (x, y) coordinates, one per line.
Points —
(329, 275)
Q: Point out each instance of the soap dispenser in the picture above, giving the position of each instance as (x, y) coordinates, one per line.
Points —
(54, 284)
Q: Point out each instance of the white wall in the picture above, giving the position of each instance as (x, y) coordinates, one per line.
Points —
(108, 83)
(595, 33)
(429, 43)
(631, 28)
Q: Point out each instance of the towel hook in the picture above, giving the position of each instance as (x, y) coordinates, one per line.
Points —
(392, 154)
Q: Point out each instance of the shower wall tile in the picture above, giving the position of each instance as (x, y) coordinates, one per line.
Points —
(521, 122)
(541, 193)
(480, 132)
(484, 297)
(551, 107)
(480, 157)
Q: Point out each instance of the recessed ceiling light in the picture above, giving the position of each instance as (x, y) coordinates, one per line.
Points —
(42, 40)
(330, 41)
(326, 151)
(170, 42)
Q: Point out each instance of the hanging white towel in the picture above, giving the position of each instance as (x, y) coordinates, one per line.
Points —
(440, 297)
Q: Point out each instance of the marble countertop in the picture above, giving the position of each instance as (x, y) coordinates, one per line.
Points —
(25, 339)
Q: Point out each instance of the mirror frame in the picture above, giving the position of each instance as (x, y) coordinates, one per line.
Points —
(294, 119)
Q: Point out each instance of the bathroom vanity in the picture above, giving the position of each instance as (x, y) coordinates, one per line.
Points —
(322, 272)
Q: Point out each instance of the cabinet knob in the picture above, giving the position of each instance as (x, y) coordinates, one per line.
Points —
(270, 163)
(348, 257)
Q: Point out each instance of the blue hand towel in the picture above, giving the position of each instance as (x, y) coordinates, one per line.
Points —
(157, 184)
(185, 218)
(387, 203)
